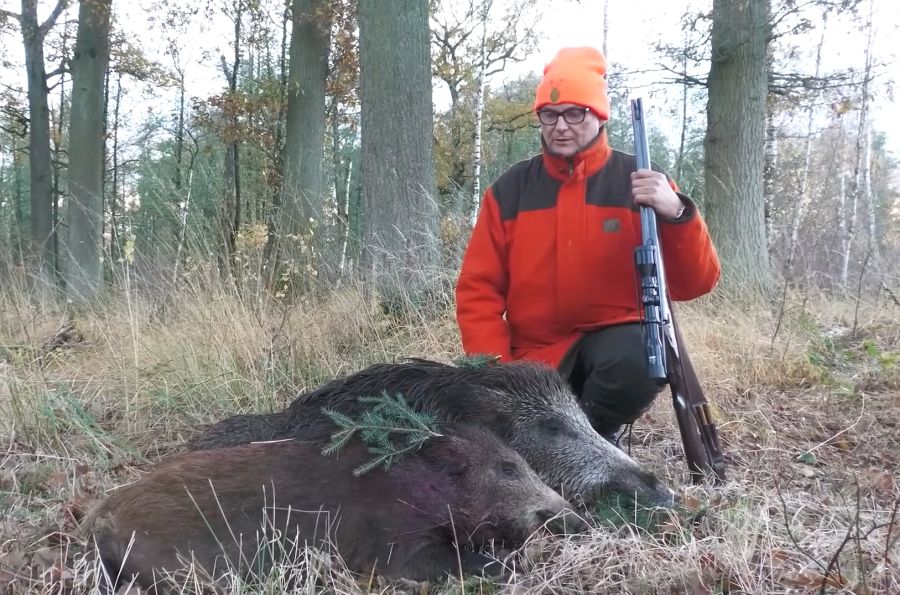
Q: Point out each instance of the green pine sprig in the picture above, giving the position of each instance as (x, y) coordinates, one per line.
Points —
(390, 428)
(476, 361)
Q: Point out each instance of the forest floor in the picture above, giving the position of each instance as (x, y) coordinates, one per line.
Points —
(808, 417)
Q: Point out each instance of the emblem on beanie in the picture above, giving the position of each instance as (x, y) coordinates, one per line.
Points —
(554, 94)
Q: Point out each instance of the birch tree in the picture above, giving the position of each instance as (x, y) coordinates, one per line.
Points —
(803, 199)
(459, 38)
(479, 111)
(856, 187)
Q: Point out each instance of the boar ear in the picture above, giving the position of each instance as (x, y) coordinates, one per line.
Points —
(501, 424)
(449, 454)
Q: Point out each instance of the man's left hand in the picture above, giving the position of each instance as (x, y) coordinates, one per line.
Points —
(651, 188)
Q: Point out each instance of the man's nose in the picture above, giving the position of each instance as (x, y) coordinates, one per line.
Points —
(561, 123)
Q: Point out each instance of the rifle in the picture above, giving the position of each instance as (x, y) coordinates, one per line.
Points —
(667, 359)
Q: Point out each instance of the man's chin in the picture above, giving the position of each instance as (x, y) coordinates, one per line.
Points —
(564, 150)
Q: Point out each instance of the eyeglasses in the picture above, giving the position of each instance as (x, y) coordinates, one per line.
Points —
(573, 115)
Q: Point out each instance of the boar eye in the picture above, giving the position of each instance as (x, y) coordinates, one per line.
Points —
(509, 469)
(553, 426)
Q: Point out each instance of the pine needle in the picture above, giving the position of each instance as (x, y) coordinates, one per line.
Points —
(476, 361)
(387, 417)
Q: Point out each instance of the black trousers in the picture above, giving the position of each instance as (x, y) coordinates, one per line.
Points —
(607, 371)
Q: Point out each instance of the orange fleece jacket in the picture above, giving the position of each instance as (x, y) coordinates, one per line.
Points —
(552, 255)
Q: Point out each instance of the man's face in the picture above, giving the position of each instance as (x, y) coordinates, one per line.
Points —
(568, 135)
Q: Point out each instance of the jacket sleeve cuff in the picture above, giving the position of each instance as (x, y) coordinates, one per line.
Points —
(690, 210)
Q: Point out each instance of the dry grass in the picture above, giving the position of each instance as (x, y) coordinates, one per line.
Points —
(808, 420)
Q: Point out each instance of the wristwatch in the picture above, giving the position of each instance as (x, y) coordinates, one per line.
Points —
(680, 213)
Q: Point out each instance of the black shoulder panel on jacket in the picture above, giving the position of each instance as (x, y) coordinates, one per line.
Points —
(526, 186)
(611, 186)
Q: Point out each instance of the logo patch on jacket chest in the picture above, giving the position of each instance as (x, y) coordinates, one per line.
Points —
(611, 225)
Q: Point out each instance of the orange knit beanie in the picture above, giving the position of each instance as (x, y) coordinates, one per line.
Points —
(575, 75)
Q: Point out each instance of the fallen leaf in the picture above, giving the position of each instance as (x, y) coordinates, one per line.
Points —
(810, 578)
(691, 503)
(842, 444)
(6, 581)
(15, 559)
(808, 472)
(669, 527)
(879, 481)
(808, 458)
(56, 480)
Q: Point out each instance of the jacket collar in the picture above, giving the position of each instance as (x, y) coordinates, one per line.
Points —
(582, 164)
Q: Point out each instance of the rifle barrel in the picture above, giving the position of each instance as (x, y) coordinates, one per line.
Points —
(648, 260)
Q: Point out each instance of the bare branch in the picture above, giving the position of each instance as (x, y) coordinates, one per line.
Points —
(59, 71)
(51, 20)
(225, 70)
(21, 133)
(682, 78)
(10, 15)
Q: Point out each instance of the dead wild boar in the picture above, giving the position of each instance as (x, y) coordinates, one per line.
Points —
(529, 405)
(464, 486)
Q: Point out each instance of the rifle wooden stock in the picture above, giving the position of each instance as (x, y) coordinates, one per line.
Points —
(667, 358)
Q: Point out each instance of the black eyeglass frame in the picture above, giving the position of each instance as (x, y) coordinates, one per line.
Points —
(573, 115)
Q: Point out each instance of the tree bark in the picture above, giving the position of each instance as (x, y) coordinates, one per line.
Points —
(302, 200)
(42, 229)
(114, 248)
(231, 205)
(735, 144)
(83, 271)
(479, 114)
(679, 163)
(400, 213)
(179, 130)
(606, 30)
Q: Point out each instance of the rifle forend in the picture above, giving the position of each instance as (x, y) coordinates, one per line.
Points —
(667, 359)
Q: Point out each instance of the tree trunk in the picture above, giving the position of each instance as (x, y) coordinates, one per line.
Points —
(341, 184)
(857, 186)
(114, 248)
(8, 223)
(270, 254)
(83, 272)
(606, 29)
(231, 205)
(869, 197)
(679, 163)
(19, 216)
(42, 230)
(400, 213)
(735, 143)
(345, 237)
(479, 114)
(804, 199)
(57, 150)
(770, 171)
(179, 130)
(302, 200)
